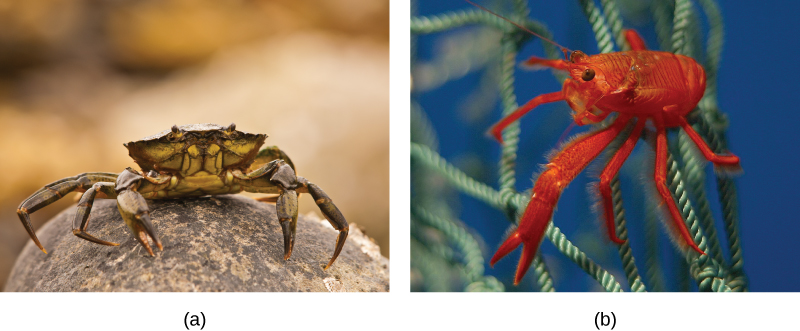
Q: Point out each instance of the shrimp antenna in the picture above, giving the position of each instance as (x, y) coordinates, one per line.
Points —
(563, 49)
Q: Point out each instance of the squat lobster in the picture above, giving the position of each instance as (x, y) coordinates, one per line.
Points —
(639, 85)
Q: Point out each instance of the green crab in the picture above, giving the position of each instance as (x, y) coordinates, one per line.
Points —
(189, 160)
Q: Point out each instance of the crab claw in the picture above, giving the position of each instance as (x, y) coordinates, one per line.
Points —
(528, 254)
(287, 215)
(134, 211)
(332, 214)
(282, 175)
(83, 235)
(288, 239)
(339, 244)
(24, 216)
(144, 228)
(85, 208)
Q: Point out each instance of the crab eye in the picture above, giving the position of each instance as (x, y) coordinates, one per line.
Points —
(231, 127)
(175, 134)
(588, 75)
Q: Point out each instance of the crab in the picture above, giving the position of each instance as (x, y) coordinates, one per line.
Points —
(189, 161)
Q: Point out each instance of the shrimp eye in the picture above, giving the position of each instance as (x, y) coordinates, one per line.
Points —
(588, 75)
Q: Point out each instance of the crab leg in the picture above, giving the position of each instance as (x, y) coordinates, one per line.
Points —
(286, 207)
(269, 154)
(53, 192)
(663, 190)
(85, 207)
(497, 130)
(718, 160)
(282, 175)
(134, 210)
(331, 212)
(610, 171)
(277, 172)
(635, 40)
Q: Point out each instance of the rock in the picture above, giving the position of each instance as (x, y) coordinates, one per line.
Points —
(218, 243)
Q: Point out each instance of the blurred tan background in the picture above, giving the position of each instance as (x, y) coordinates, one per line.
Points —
(79, 78)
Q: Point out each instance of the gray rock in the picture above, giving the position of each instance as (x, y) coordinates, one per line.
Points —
(218, 243)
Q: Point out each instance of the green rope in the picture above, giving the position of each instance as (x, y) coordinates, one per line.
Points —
(422, 131)
(521, 9)
(695, 177)
(543, 278)
(680, 22)
(611, 14)
(469, 247)
(730, 210)
(439, 23)
(457, 178)
(470, 266)
(433, 269)
(573, 253)
(716, 34)
(652, 267)
(662, 17)
(695, 42)
(717, 121)
(508, 155)
(624, 249)
(703, 268)
(601, 33)
(435, 247)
